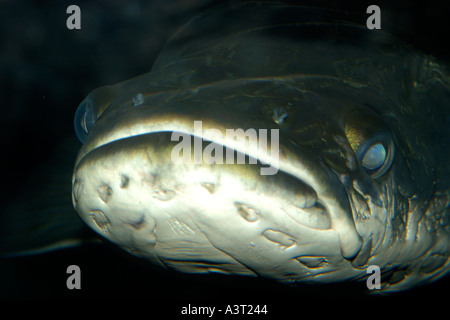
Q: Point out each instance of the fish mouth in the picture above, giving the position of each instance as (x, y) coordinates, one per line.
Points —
(302, 209)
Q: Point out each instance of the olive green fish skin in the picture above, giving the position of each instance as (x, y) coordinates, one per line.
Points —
(333, 90)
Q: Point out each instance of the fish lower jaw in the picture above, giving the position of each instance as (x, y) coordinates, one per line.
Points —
(200, 145)
(211, 217)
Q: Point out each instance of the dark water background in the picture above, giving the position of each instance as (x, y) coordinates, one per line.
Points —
(45, 72)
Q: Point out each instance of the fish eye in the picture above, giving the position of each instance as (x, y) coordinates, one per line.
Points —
(376, 155)
(85, 118)
(371, 140)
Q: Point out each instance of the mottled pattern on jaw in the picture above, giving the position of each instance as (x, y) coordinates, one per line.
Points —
(192, 221)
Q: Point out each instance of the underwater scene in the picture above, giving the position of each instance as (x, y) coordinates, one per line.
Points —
(230, 151)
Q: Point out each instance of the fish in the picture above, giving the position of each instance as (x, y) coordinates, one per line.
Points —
(361, 152)
(358, 128)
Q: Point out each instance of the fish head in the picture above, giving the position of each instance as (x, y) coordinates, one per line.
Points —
(292, 151)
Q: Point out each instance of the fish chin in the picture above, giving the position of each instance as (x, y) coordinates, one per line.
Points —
(217, 217)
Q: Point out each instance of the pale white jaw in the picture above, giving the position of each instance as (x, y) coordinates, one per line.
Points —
(220, 217)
